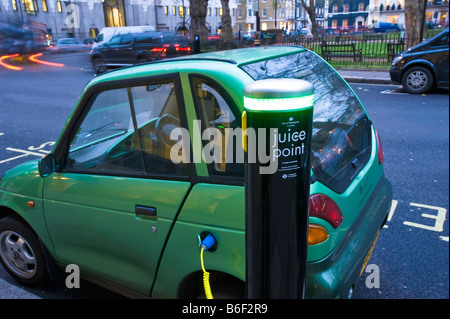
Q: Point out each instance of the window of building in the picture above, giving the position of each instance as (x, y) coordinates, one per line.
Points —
(59, 6)
(166, 10)
(361, 7)
(393, 19)
(44, 6)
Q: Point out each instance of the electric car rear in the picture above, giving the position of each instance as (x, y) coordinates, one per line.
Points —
(111, 199)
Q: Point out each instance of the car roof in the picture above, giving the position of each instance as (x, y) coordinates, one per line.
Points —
(231, 57)
(248, 55)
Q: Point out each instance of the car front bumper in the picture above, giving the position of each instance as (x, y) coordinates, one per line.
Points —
(336, 275)
(395, 72)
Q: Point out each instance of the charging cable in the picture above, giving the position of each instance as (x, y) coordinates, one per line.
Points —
(206, 244)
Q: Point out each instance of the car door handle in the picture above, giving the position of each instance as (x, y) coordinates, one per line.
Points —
(145, 212)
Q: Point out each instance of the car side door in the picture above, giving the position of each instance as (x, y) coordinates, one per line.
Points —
(439, 56)
(111, 205)
(124, 52)
(110, 49)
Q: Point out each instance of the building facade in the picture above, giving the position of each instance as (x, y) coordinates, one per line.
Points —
(358, 14)
(84, 19)
(348, 14)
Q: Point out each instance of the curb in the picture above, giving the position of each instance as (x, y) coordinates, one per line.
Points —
(353, 79)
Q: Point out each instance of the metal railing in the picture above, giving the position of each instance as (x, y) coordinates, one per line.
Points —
(366, 49)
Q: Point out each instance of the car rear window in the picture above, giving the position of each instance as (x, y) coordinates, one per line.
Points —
(341, 142)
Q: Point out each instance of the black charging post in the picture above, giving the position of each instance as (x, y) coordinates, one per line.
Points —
(277, 129)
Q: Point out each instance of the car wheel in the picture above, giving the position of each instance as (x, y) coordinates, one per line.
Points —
(97, 64)
(417, 80)
(21, 253)
(142, 60)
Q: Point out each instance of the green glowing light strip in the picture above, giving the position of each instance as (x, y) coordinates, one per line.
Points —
(279, 104)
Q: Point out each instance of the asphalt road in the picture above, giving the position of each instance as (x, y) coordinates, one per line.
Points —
(412, 251)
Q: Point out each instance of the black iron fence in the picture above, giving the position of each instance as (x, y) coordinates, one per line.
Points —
(367, 49)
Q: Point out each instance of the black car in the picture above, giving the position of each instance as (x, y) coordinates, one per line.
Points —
(423, 66)
(133, 48)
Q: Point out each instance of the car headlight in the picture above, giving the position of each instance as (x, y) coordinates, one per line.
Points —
(397, 59)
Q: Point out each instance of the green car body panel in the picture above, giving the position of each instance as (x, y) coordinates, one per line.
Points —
(90, 221)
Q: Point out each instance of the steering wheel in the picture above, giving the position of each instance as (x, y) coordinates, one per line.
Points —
(164, 126)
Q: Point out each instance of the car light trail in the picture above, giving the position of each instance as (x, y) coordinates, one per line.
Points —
(8, 66)
(34, 58)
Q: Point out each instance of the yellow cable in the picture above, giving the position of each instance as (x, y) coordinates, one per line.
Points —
(206, 285)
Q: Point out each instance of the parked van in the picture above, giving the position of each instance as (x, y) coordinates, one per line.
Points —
(108, 33)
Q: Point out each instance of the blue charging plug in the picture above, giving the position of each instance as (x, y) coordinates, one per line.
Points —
(208, 242)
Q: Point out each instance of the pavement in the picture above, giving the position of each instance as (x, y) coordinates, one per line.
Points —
(366, 76)
(9, 291)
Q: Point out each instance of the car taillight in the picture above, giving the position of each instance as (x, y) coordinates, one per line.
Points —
(323, 207)
(380, 148)
(183, 49)
(160, 51)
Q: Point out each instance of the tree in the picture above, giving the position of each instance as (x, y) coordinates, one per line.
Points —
(198, 20)
(414, 21)
(227, 30)
(311, 10)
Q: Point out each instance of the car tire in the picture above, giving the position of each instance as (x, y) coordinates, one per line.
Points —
(417, 80)
(21, 253)
(97, 64)
(142, 60)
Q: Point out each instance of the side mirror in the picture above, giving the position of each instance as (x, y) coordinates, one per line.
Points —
(47, 165)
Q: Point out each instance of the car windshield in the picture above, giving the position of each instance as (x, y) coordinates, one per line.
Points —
(341, 142)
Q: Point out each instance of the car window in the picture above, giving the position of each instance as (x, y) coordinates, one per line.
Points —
(443, 40)
(157, 114)
(127, 130)
(126, 40)
(115, 41)
(341, 141)
(217, 111)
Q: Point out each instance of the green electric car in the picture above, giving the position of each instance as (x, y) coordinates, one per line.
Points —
(120, 199)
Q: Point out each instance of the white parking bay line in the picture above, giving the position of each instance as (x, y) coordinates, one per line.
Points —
(8, 291)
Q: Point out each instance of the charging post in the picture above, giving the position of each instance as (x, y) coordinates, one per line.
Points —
(277, 129)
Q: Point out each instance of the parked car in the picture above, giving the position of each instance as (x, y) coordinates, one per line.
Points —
(423, 66)
(386, 27)
(132, 48)
(107, 33)
(111, 199)
(67, 45)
